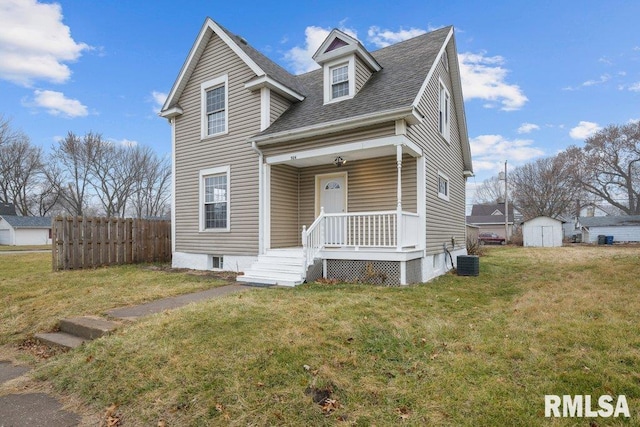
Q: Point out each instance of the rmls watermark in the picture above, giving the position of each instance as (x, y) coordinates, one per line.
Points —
(580, 406)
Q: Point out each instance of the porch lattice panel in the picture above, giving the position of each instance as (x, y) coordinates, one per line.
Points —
(374, 272)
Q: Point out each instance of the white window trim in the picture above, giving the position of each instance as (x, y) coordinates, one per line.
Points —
(350, 62)
(446, 178)
(202, 174)
(204, 87)
(442, 106)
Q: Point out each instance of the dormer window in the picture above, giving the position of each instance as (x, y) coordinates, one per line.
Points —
(338, 55)
(340, 81)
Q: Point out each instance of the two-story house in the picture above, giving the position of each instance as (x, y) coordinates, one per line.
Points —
(353, 170)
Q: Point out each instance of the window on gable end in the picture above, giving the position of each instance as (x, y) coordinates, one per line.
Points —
(444, 112)
(214, 95)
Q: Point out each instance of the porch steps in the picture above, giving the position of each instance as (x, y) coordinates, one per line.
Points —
(282, 267)
(76, 330)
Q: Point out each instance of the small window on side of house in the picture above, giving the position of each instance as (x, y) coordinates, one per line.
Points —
(217, 262)
(443, 186)
(214, 199)
(215, 108)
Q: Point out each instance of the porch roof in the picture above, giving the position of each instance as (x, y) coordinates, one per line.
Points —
(352, 151)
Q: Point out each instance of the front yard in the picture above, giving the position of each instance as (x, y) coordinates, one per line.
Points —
(459, 351)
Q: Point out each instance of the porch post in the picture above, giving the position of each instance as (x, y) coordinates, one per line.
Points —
(399, 225)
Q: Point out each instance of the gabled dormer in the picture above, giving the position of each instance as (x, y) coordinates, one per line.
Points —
(346, 65)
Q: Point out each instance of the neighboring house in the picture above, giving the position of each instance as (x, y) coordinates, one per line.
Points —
(357, 168)
(542, 232)
(622, 228)
(7, 209)
(25, 230)
(490, 218)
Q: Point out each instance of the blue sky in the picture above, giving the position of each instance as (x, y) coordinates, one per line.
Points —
(537, 76)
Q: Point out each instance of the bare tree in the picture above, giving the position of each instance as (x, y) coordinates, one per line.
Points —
(609, 166)
(114, 171)
(20, 163)
(490, 191)
(69, 169)
(545, 187)
(151, 189)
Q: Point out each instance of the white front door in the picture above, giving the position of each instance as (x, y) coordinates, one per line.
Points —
(332, 190)
(332, 194)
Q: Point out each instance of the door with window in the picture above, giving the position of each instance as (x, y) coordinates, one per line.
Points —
(333, 198)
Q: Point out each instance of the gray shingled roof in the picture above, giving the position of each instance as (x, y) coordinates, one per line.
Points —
(405, 66)
(608, 221)
(272, 69)
(27, 221)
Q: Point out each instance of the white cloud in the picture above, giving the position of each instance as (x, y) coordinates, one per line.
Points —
(123, 142)
(300, 58)
(490, 151)
(584, 130)
(483, 77)
(34, 43)
(384, 38)
(57, 104)
(527, 127)
(158, 99)
(603, 79)
(635, 87)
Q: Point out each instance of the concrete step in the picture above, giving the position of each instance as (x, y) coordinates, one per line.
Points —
(87, 327)
(276, 268)
(60, 339)
(270, 278)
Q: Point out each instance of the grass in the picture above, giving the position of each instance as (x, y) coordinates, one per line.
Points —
(33, 298)
(458, 351)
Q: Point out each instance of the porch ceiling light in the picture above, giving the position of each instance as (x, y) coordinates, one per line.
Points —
(339, 161)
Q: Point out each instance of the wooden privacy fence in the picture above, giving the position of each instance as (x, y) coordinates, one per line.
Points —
(80, 242)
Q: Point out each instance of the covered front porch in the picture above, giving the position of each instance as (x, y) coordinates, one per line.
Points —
(350, 203)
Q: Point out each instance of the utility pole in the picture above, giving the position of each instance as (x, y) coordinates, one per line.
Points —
(506, 205)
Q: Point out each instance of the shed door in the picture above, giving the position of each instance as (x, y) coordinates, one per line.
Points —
(547, 236)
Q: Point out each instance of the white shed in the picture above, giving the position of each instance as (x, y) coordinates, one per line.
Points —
(542, 231)
(25, 230)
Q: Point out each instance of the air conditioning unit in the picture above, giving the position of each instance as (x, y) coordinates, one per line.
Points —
(468, 265)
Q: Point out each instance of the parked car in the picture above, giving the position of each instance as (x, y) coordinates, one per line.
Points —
(491, 238)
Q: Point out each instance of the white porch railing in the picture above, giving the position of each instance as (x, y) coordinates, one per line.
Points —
(387, 229)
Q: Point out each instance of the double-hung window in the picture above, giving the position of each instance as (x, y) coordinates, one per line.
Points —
(214, 107)
(340, 81)
(444, 112)
(214, 196)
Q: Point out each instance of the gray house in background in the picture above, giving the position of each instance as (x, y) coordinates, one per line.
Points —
(489, 217)
(25, 230)
(357, 168)
(622, 228)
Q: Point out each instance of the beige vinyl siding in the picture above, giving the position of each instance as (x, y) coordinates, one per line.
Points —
(278, 106)
(330, 139)
(285, 231)
(193, 154)
(444, 219)
(362, 74)
(371, 186)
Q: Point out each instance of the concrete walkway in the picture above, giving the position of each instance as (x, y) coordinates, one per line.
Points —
(40, 409)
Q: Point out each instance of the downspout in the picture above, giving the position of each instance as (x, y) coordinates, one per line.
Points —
(261, 212)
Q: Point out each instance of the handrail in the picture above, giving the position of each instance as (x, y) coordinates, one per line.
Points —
(313, 239)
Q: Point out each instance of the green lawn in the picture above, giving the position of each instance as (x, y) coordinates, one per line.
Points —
(458, 351)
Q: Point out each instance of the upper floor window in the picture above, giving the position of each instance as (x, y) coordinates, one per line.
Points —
(214, 94)
(339, 81)
(444, 114)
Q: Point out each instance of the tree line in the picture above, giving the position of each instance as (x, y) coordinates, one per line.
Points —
(82, 175)
(606, 168)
